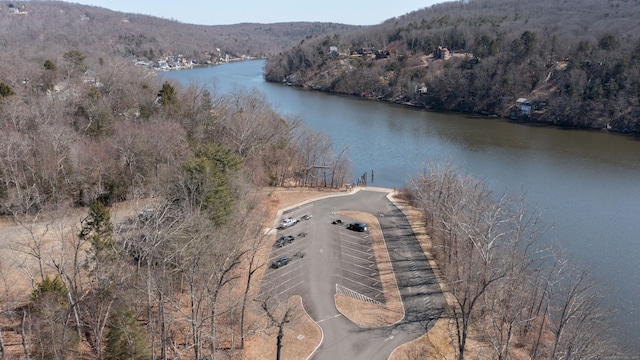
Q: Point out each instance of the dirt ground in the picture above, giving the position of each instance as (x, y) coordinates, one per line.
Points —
(302, 337)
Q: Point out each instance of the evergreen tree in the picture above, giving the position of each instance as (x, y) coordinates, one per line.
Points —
(207, 181)
(6, 90)
(97, 227)
(74, 60)
(50, 287)
(167, 95)
(125, 338)
(51, 334)
(49, 65)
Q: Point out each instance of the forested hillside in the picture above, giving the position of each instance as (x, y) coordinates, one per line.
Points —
(132, 216)
(572, 63)
(84, 132)
(69, 93)
(44, 29)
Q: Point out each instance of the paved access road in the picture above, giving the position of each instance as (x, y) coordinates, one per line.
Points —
(331, 257)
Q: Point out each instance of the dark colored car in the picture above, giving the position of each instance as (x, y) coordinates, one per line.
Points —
(357, 226)
(281, 262)
(306, 217)
(284, 240)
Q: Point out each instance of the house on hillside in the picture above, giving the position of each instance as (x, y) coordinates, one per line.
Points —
(527, 109)
(382, 54)
(525, 106)
(442, 52)
(365, 51)
(22, 10)
(421, 89)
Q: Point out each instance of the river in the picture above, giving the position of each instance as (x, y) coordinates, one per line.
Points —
(585, 183)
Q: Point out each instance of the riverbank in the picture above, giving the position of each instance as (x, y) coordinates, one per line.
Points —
(515, 115)
(573, 177)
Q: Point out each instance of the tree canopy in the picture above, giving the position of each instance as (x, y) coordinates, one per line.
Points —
(577, 62)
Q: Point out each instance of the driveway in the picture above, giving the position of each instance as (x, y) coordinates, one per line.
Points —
(331, 258)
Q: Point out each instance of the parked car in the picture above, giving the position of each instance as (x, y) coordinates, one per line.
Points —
(357, 226)
(306, 217)
(287, 222)
(284, 240)
(281, 262)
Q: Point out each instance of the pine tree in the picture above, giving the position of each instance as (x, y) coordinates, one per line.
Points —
(97, 227)
(5, 90)
(125, 338)
(207, 181)
(167, 95)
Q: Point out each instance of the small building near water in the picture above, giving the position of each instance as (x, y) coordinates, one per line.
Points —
(525, 106)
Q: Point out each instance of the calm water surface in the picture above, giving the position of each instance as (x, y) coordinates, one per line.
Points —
(587, 184)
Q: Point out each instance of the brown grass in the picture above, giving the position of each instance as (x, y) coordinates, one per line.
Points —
(436, 344)
(282, 198)
(301, 337)
(261, 345)
(439, 342)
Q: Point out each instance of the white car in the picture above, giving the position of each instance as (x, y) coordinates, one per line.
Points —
(286, 222)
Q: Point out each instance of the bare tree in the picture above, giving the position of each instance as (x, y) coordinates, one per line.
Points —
(577, 319)
(250, 124)
(340, 169)
(314, 155)
(256, 241)
(8, 303)
(36, 231)
(227, 257)
(500, 282)
(478, 264)
(279, 313)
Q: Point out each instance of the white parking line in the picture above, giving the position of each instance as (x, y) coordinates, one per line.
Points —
(328, 318)
(277, 281)
(367, 243)
(355, 272)
(350, 235)
(288, 289)
(367, 268)
(359, 258)
(289, 250)
(356, 250)
(359, 283)
(277, 286)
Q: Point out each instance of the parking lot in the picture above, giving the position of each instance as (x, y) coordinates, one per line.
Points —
(352, 261)
(339, 260)
(358, 274)
(286, 280)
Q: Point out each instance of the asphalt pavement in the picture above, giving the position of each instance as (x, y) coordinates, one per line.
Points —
(327, 257)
